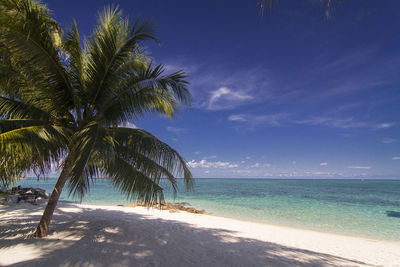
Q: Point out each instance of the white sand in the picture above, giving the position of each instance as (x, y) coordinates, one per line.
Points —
(84, 235)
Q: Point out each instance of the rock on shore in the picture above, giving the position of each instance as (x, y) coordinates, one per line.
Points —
(172, 207)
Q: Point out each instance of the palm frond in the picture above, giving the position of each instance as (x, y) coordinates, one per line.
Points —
(76, 66)
(145, 90)
(14, 109)
(146, 165)
(266, 5)
(39, 137)
(9, 125)
(84, 142)
(135, 105)
(132, 182)
(137, 141)
(174, 83)
(32, 147)
(32, 37)
(113, 42)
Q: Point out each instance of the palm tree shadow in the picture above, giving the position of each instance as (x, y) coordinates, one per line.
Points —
(90, 238)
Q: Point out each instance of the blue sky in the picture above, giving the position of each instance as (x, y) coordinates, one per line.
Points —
(291, 94)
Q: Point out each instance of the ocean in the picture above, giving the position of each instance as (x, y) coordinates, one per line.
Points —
(363, 208)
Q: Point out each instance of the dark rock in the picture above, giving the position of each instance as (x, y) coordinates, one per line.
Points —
(391, 213)
(30, 195)
(168, 206)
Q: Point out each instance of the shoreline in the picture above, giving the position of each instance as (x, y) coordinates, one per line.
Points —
(172, 239)
(257, 221)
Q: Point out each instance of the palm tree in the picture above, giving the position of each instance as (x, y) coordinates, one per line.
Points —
(67, 103)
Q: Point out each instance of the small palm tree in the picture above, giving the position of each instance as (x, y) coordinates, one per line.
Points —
(67, 101)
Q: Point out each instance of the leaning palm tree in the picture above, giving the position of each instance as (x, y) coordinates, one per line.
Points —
(67, 103)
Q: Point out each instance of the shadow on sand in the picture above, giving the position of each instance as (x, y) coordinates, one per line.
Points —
(86, 238)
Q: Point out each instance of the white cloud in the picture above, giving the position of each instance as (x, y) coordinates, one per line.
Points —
(388, 140)
(216, 87)
(187, 68)
(269, 119)
(323, 164)
(237, 117)
(385, 125)
(396, 158)
(258, 165)
(210, 157)
(248, 157)
(344, 123)
(294, 162)
(225, 98)
(207, 164)
(128, 125)
(56, 164)
(197, 152)
(176, 130)
(360, 167)
(280, 119)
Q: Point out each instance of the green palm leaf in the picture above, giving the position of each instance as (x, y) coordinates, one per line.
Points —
(143, 143)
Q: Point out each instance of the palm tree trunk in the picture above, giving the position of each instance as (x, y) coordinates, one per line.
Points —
(41, 229)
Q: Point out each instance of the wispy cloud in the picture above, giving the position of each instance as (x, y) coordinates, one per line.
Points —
(128, 125)
(360, 167)
(344, 123)
(268, 119)
(323, 164)
(388, 140)
(176, 130)
(384, 125)
(225, 98)
(396, 158)
(284, 119)
(257, 173)
(259, 165)
(332, 74)
(208, 164)
(187, 68)
(216, 86)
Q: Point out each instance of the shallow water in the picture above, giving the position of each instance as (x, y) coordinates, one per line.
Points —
(365, 208)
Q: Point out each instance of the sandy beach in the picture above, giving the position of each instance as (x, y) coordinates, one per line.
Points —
(85, 235)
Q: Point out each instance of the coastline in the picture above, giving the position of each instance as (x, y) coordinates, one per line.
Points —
(82, 234)
(338, 207)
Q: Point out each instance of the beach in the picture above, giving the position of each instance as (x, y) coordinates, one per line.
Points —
(95, 235)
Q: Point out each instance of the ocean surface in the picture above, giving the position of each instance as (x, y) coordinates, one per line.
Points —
(364, 208)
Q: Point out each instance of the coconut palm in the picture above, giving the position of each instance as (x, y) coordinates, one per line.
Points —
(67, 103)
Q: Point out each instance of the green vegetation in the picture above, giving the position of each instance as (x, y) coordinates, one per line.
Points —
(64, 100)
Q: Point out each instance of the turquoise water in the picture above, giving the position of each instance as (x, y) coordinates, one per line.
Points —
(350, 207)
